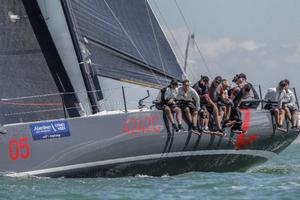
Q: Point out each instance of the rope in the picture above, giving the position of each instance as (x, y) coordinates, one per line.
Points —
(108, 104)
(56, 94)
(30, 104)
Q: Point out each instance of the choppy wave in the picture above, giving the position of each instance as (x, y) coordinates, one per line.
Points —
(276, 170)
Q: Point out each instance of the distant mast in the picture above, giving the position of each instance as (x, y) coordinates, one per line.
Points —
(191, 38)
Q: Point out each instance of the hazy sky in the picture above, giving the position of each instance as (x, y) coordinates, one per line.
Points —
(258, 37)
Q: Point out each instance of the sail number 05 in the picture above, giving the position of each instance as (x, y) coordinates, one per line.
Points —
(19, 148)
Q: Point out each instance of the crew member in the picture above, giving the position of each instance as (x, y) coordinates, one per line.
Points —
(241, 82)
(235, 111)
(171, 106)
(288, 103)
(274, 97)
(202, 88)
(190, 103)
(215, 104)
(227, 101)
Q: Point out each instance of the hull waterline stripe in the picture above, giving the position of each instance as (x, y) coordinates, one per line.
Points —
(256, 153)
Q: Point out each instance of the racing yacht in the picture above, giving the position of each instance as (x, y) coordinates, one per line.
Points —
(77, 83)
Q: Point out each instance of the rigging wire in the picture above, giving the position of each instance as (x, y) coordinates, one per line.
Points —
(173, 37)
(196, 44)
(154, 35)
(171, 33)
(133, 43)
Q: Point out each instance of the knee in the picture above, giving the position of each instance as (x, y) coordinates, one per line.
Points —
(187, 110)
(195, 113)
(167, 109)
(177, 110)
(215, 108)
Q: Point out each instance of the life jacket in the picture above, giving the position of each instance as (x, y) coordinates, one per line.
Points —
(159, 105)
(202, 91)
(215, 93)
(162, 98)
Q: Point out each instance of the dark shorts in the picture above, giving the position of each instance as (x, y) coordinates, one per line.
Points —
(171, 106)
(189, 105)
(270, 106)
(235, 114)
(221, 107)
(292, 108)
(203, 114)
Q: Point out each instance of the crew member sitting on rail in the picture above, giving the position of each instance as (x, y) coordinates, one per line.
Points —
(274, 98)
(226, 99)
(233, 88)
(215, 103)
(189, 102)
(171, 106)
(241, 81)
(202, 88)
(160, 99)
(288, 103)
(235, 115)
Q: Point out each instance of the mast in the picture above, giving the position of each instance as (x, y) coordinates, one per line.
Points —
(191, 37)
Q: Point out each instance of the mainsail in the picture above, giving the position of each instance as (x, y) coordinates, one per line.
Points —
(124, 39)
(118, 39)
(29, 66)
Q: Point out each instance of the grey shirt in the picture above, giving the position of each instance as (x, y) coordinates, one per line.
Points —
(190, 95)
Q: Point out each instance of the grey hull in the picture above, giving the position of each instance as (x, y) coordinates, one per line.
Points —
(126, 144)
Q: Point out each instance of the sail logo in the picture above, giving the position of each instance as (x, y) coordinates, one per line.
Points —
(48, 130)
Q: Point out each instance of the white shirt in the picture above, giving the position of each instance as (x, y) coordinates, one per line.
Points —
(171, 93)
(281, 96)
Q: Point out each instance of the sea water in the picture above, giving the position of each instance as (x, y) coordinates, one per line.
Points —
(277, 179)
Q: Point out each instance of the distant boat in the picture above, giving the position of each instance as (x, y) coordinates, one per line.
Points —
(74, 101)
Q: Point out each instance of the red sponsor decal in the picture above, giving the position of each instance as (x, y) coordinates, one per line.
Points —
(141, 124)
(246, 120)
(19, 148)
(242, 142)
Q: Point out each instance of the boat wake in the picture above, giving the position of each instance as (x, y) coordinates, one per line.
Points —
(13, 175)
(276, 170)
(147, 176)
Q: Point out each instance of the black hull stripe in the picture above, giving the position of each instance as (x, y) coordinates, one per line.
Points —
(255, 153)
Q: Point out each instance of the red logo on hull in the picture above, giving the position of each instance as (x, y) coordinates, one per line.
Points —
(141, 124)
(241, 141)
